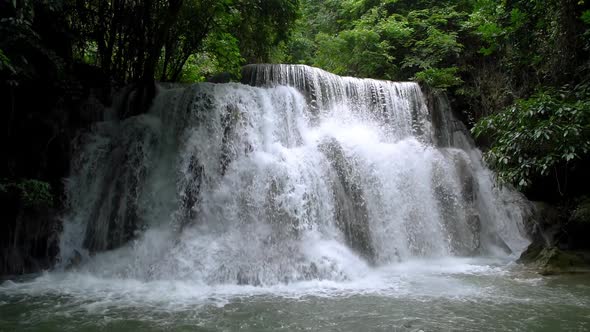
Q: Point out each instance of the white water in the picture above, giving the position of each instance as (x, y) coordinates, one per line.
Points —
(414, 279)
(228, 184)
(419, 294)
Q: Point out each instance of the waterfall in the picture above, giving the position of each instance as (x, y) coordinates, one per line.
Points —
(298, 174)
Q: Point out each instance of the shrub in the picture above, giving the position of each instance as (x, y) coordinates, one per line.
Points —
(537, 135)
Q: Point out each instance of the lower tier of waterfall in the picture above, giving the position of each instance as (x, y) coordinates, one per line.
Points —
(304, 176)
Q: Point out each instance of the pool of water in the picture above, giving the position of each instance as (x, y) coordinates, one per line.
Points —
(426, 295)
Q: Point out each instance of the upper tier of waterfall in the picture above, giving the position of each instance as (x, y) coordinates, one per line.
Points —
(298, 175)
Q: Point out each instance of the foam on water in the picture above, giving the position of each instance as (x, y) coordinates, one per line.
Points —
(412, 279)
(441, 293)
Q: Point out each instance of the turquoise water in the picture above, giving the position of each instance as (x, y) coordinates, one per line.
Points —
(435, 295)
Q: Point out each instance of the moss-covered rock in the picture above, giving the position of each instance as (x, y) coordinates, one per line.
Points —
(552, 260)
(531, 253)
(29, 228)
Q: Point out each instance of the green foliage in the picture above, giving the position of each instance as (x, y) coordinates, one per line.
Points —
(35, 193)
(134, 40)
(225, 33)
(353, 52)
(299, 48)
(32, 193)
(376, 39)
(262, 26)
(197, 68)
(537, 135)
(451, 45)
(490, 33)
(5, 64)
(395, 27)
(23, 54)
(439, 78)
(224, 49)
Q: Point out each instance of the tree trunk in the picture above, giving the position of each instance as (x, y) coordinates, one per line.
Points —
(167, 55)
(178, 71)
(147, 84)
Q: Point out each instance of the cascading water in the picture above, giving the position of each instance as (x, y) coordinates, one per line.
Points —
(300, 201)
(299, 175)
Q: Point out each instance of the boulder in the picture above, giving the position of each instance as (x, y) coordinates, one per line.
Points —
(557, 245)
(552, 260)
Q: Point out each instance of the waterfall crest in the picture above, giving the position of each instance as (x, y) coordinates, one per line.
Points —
(298, 175)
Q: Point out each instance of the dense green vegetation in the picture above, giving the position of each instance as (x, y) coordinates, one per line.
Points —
(517, 71)
(510, 66)
(62, 51)
(539, 135)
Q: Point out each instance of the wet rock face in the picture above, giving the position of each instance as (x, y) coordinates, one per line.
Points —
(114, 217)
(28, 237)
(565, 228)
(48, 113)
(558, 244)
(543, 224)
(579, 225)
(351, 211)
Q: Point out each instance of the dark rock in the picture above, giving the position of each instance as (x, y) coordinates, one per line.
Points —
(352, 216)
(229, 121)
(44, 115)
(581, 214)
(552, 260)
(531, 252)
(543, 224)
(220, 78)
(554, 248)
(74, 261)
(578, 226)
(28, 236)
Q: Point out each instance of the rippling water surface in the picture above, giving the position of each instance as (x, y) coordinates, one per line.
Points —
(428, 295)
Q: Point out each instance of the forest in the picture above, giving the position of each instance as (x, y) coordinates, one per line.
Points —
(517, 73)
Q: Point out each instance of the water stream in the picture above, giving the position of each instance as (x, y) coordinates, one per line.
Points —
(298, 201)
